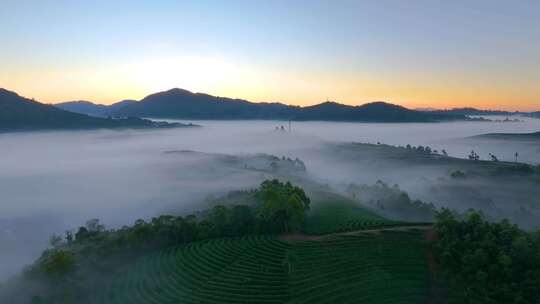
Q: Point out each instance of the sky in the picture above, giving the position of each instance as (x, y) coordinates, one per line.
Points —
(420, 54)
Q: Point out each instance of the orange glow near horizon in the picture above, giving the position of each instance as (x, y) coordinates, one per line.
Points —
(421, 100)
(418, 54)
(304, 89)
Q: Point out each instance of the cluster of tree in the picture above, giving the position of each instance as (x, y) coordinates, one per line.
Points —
(392, 202)
(86, 259)
(493, 157)
(283, 206)
(458, 174)
(420, 149)
(287, 163)
(487, 262)
(474, 156)
(426, 150)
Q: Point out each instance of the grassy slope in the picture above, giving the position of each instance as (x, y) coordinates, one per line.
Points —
(378, 268)
(389, 267)
(331, 213)
(334, 213)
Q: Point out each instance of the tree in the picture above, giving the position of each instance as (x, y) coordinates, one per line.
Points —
(242, 220)
(458, 174)
(69, 236)
(56, 241)
(93, 225)
(474, 156)
(283, 205)
(220, 217)
(487, 262)
(82, 233)
(59, 263)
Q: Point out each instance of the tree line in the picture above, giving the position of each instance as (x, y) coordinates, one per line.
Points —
(487, 262)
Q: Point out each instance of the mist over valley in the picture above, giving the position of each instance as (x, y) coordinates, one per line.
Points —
(57, 180)
(275, 152)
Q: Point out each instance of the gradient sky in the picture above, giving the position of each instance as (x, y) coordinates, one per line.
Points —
(415, 53)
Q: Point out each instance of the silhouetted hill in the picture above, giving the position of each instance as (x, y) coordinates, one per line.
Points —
(534, 114)
(83, 107)
(92, 109)
(371, 112)
(19, 113)
(118, 105)
(473, 111)
(178, 103)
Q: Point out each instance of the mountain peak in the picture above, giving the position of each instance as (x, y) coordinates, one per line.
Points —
(329, 102)
(382, 104)
(4, 92)
(172, 93)
(176, 91)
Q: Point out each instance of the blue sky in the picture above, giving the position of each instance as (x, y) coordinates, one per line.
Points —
(415, 53)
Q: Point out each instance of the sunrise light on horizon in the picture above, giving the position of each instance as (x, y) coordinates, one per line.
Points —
(418, 54)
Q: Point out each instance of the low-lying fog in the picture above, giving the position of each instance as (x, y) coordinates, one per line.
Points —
(53, 181)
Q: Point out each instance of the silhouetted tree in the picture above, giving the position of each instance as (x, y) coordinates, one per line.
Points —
(283, 205)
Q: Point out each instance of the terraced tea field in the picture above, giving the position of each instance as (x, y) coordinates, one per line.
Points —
(386, 268)
(343, 216)
(389, 267)
(332, 213)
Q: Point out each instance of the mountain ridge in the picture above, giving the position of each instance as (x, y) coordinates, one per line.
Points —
(18, 113)
(91, 108)
(474, 111)
(183, 104)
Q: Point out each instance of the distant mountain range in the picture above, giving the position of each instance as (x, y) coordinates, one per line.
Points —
(533, 114)
(18, 114)
(473, 112)
(92, 109)
(183, 104)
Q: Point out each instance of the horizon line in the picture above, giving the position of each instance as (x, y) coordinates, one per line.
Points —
(421, 109)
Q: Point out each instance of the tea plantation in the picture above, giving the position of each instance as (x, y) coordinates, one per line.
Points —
(386, 267)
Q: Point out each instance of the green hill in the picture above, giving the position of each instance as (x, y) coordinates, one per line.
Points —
(535, 136)
(377, 268)
(332, 213)
(258, 252)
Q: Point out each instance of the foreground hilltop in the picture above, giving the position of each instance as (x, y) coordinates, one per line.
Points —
(179, 103)
(19, 114)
